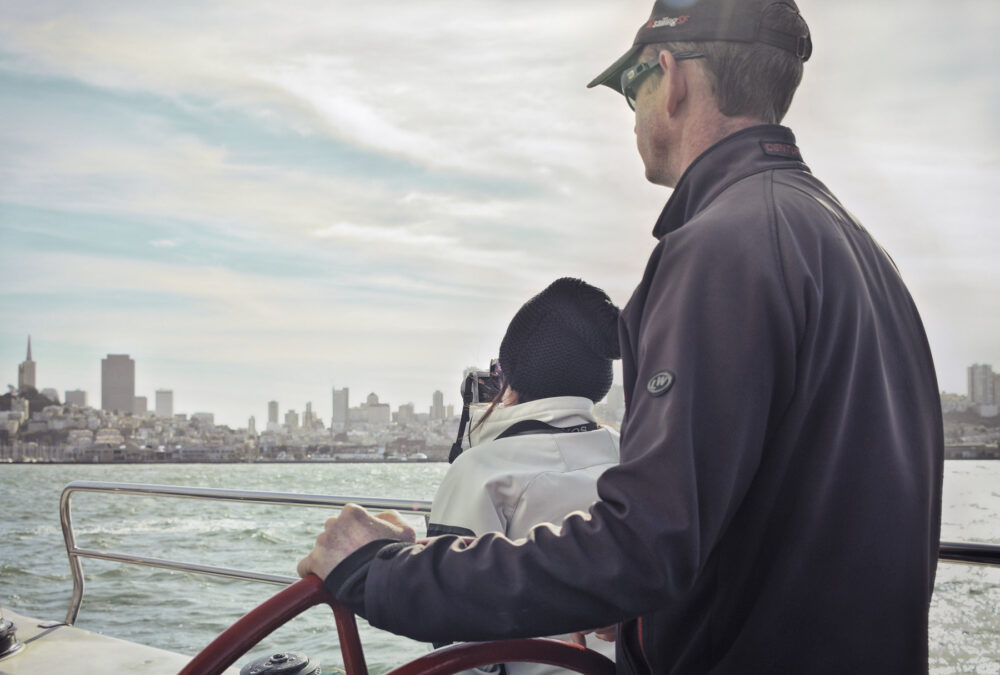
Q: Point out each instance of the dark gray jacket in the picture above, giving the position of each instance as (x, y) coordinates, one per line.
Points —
(777, 506)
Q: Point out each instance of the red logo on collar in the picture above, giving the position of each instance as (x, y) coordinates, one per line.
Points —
(784, 150)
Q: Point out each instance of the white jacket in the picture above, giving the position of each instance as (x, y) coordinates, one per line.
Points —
(512, 484)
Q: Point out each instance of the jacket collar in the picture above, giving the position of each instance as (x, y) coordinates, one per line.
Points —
(748, 151)
(558, 411)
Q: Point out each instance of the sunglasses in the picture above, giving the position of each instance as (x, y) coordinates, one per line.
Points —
(633, 77)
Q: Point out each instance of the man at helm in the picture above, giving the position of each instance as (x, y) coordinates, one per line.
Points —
(777, 505)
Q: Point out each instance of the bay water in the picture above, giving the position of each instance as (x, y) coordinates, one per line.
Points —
(183, 612)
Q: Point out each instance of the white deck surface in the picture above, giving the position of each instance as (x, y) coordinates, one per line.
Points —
(65, 649)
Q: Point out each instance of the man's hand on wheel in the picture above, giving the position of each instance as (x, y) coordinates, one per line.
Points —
(348, 531)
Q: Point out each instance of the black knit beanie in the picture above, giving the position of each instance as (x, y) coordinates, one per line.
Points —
(562, 343)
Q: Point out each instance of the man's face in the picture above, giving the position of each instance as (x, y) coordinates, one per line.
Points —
(651, 125)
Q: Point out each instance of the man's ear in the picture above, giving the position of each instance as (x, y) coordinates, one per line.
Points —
(673, 85)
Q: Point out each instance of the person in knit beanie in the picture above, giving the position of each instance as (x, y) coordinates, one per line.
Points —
(562, 343)
(534, 454)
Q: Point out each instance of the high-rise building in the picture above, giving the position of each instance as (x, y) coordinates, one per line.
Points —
(437, 406)
(376, 413)
(341, 404)
(164, 403)
(292, 420)
(50, 393)
(77, 397)
(26, 371)
(405, 415)
(981, 384)
(307, 416)
(272, 412)
(139, 405)
(252, 426)
(117, 383)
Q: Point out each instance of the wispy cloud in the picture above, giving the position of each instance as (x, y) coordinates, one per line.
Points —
(366, 195)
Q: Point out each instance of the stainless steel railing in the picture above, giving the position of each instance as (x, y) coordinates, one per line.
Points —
(969, 553)
(75, 553)
(957, 552)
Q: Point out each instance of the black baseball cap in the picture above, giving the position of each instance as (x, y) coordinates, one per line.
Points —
(707, 21)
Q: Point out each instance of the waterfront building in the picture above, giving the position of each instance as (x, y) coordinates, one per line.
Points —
(79, 438)
(26, 371)
(341, 404)
(954, 402)
(76, 397)
(108, 436)
(164, 403)
(988, 409)
(139, 405)
(117, 383)
(10, 422)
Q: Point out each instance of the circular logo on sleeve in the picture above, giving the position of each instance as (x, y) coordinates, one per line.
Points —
(660, 383)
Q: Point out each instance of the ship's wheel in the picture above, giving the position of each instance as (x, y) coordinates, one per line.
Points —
(239, 638)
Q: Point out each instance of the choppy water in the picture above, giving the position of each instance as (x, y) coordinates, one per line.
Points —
(183, 612)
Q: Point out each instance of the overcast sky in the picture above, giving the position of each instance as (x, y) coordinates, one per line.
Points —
(261, 200)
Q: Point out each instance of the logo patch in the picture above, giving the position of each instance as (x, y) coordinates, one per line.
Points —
(670, 21)
(660, 383)
(785, 150)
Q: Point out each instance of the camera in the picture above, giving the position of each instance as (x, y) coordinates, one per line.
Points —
(482, 386)
(479, 386)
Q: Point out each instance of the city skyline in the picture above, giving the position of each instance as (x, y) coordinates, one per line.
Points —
(365, 198)
(982, 387)
(118, 385)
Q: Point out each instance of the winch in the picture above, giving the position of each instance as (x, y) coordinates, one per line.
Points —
(283, 663)
(9, 644)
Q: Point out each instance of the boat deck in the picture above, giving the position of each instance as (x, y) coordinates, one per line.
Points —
(52, 647)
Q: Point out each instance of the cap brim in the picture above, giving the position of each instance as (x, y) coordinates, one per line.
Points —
(612, 76)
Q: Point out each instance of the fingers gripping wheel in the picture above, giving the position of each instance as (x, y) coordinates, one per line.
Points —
(308, 592)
